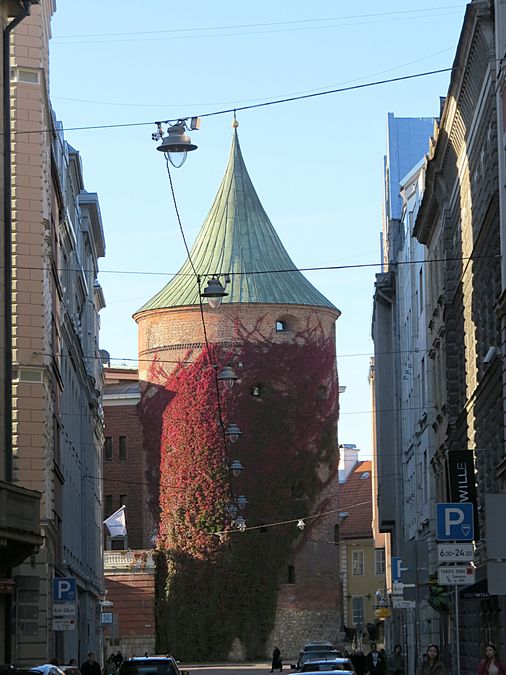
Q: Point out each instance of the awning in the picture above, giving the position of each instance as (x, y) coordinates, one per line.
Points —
(477, 591)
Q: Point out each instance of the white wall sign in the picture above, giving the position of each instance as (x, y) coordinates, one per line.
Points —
(455, 553)
(460, 575)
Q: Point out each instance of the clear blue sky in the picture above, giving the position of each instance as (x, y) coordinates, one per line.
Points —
(316, 164)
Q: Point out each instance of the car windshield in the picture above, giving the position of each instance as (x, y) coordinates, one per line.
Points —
(151, 667)
(319, 655)
(315, 667)
(318, 647)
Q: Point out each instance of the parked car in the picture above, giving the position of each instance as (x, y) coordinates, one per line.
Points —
(318, 666)
(322, 655)
(151, 665)
(48, 669)
(317, 646)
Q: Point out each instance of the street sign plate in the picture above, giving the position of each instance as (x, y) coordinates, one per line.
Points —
(455, 553)
(454, 522)
(64, 589)
(64, 623)
(399, 603)
(106, 617)
(459, 575)
(64, 609)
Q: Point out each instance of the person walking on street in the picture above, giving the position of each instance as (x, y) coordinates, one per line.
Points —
(375, 661)
(277, 663)
(395, 662)
(91, 667)
(359, 661)
(110, 666)
(432, 663)
(118, 659)
(491, 664)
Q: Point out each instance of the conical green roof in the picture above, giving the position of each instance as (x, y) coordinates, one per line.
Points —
(238, 238)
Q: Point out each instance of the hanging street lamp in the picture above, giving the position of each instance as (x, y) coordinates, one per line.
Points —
(236, 467)
(214, 292)
(176, 144)
(228, 377)
(233, 432)
(241, 501)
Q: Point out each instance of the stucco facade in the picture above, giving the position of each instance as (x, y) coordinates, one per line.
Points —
(58, 239)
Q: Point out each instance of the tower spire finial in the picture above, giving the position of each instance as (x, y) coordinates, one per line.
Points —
(235, 123)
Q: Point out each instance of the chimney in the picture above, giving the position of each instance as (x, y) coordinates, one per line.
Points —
(347, 459)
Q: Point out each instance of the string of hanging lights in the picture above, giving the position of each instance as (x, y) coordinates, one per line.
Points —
(175, 145)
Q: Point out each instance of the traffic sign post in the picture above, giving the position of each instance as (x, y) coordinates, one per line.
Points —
(64, 603)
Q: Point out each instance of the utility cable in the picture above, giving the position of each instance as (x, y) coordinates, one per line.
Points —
(289, 270)
(289, 99)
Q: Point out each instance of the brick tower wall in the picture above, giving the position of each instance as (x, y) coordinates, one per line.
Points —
(308, 591)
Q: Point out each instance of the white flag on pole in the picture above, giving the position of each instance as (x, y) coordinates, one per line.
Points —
(116, 524)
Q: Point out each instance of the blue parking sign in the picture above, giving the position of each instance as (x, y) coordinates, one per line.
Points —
(454, 522)
(64, 589)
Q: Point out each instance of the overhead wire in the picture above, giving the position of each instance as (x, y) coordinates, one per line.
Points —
(227, 111)
(288, 270)
(269, 23)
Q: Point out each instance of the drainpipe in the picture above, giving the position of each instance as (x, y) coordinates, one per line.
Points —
(24, 12)
(7, 240)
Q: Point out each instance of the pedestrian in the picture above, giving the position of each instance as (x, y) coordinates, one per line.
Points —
(359, 661)
(491, 664)
(110, 666)
(91, 667)
(395, 662)
(432, 663)
(118, 659)
(277, 663)
(375, 661)
(73, 663)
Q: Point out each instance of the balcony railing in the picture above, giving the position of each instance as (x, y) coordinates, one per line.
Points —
(129, 561)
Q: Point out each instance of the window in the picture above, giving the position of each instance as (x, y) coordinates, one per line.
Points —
(420, 289)
(108, 505)
(336, 534)
(256, 390)
(108, 449)
(291, 574)
(118, 544)
(122, 500)
(379, 561)
(298, 490)
(357, 563)
(122, 449)
(280, 326)
(357, 610)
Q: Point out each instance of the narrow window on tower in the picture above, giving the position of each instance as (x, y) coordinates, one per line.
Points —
(256, 390)
(122, 456)
(108, 449)
(280, 326)
(291, 574)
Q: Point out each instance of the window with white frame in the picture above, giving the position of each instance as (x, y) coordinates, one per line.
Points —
(379, 560)
(357, 610)
(357, 563)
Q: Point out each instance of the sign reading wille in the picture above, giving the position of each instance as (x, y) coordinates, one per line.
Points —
(462, 481)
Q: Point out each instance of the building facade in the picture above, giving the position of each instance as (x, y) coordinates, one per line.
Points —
(362, 564)
(400, 376)
(19, 507)
(459, 222)
(129, 561)
(57, 380)
(285, 578)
